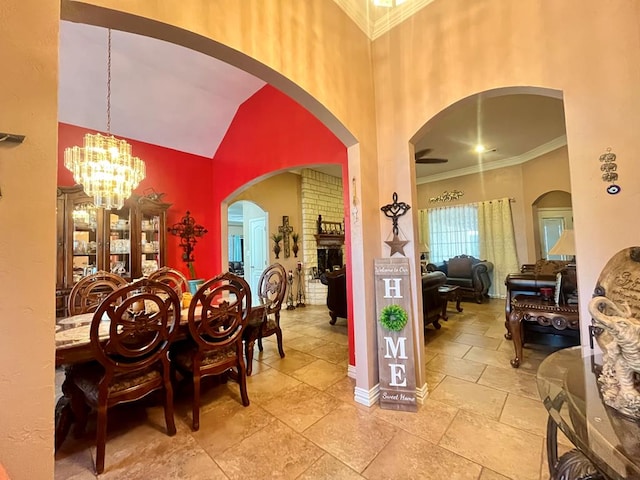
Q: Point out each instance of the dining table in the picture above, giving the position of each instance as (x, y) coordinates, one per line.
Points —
(73, 346)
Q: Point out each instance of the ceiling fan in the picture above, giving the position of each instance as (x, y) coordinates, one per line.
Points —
(421, 157)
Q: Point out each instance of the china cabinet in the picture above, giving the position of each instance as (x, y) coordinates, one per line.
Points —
(130, 241)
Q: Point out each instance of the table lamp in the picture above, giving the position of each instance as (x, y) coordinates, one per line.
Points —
(565, 245)
(424, 251)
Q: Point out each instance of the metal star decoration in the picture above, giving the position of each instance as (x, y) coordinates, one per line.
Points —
(393, 211)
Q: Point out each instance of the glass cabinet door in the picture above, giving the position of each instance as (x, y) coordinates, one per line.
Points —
(84, 241)
(118, 228)
(150, 243)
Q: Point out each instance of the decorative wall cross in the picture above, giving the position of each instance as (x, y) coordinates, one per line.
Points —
(393, 211)
(285, 230)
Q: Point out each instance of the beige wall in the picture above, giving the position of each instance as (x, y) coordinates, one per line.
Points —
(453, 48)
(524, 183)
(278, 195)
(29, 106)
(447, 51)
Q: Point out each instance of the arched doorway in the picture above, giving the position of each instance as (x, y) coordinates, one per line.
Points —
(248, 242)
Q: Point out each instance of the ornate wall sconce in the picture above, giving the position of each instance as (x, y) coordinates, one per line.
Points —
(608, 167)
(188, 231)
(447, 196)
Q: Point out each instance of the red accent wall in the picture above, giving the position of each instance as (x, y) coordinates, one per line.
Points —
(270, 133)
(185, 180)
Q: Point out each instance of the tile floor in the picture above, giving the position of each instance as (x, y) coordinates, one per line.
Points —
(482, 419)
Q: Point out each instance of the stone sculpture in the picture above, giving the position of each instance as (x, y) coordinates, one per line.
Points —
(619, 340)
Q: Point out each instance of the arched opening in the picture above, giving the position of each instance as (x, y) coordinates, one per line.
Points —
(504, 144)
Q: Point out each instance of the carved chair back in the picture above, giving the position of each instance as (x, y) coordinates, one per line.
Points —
(87, 294)
(131, 332)
(171, 277)
(218, 314)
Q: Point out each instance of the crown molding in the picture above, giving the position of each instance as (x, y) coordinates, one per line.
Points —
(363, 14)
(543, 149)
(395, 16)
(357, 13)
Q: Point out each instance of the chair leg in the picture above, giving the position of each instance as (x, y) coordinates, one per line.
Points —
(260, 343)
(248, 353)
(101, 438)
(242, 380)
(279, 337)
(196, 401)
(168, 407)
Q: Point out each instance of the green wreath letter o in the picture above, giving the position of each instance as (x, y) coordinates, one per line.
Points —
(393, 317)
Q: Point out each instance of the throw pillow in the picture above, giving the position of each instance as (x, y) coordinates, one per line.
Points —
(459, 268)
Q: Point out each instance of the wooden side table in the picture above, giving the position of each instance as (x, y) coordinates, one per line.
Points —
(449, 292)
(527, 308)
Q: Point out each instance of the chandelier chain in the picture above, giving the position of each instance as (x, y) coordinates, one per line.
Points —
(109, 82)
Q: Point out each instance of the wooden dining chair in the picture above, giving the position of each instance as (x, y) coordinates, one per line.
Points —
(217, 316)
(272, 288)
(87, 294)
(171, 277)
(130, 336)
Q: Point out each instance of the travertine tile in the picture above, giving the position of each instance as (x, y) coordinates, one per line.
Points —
(331, 352)
(446, 347)
(470, 396)
(407, 456)
(486, 441)
(226, 423)
(329, 468)
(430, 421)
(525, 414)
(321, 374)
(470, 328)
(275, 451)
(456, 367)
(292, 361)
(491, 475)
(174, 458)
(512, 380)
(303, 344)
(264, 386)
(433, 379)
(351, 435)
(301, 406)
(478, 341)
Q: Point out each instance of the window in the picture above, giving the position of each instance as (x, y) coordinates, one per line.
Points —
(453, 231)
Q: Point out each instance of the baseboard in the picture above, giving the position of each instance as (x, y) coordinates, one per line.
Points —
(422, 393)
(351, 371)
(367, 398)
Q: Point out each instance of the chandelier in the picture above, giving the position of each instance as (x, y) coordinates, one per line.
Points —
(104, 164)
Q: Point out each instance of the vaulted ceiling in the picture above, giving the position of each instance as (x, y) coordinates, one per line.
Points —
(167, 95)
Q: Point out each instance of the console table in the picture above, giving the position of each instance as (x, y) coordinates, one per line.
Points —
(528, 308)
(608, 443)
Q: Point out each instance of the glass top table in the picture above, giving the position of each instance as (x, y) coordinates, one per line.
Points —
(567, 384)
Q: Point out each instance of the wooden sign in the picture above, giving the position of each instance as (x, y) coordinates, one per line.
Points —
(395, 334)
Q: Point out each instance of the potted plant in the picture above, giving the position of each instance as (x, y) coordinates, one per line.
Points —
(294, 238)
(277, 238)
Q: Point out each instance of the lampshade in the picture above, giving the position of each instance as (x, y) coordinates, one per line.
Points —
(424, 248)
(565, 244)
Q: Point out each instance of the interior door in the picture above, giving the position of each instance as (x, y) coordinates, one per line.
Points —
(256, 252)
(552, 221)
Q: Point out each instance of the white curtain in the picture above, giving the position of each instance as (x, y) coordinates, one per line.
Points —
(497, 241)
(453, 231)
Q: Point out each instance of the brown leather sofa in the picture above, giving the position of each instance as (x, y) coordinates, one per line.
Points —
(432, 301)
(532, 277)
(472, 275)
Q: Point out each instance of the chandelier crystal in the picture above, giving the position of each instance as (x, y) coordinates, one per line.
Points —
(105, 168)
(104, 164)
